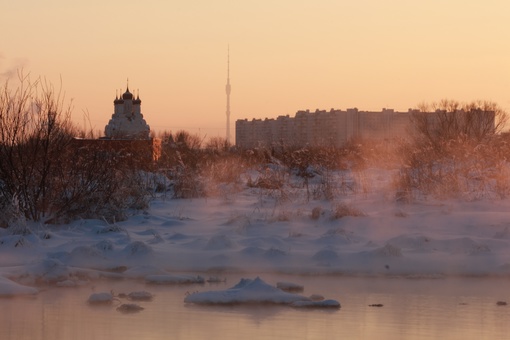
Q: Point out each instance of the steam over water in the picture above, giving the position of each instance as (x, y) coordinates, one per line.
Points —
(411, 309)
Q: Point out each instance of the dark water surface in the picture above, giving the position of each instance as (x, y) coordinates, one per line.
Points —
(454, 308)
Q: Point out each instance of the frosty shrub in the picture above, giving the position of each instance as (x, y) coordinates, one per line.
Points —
(459, 156)
(270, 178)
(98, 183)
(316, 213)
(11, 217)
(187, 183)
(222, 167)
(181, 160)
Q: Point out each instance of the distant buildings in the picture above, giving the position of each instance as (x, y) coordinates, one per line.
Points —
(334, 127)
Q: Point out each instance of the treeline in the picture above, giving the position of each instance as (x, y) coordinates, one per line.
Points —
(44, 178)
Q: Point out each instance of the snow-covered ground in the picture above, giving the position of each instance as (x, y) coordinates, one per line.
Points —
(255, 231)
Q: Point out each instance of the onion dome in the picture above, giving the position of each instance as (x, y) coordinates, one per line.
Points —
(137, 100)
(127, 95)
(117, 100)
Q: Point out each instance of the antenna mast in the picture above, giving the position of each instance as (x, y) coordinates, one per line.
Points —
(227, 90)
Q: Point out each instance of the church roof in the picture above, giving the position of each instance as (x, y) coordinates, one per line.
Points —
(127, 95)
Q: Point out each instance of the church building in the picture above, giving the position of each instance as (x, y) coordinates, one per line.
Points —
(126, 134)
(127, 120)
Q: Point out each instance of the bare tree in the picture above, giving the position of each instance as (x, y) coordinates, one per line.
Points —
(35, 130)
(450, 120)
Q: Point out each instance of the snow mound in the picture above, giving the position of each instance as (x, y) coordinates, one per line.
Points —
(325, 255)
(104, 245)
(387, 251)
(219, 242)
(338, 236)
(49, 271)
(138, 248)
(10, 288)
(249, 291)
(14, 241)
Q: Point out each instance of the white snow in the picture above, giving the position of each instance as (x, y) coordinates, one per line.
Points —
(255, 231)
(11, 288)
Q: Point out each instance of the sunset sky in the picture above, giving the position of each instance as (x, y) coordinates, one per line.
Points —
(285, 55)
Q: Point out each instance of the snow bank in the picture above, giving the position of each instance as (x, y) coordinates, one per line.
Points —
(10, 288)
(173, 279)
(254, 232)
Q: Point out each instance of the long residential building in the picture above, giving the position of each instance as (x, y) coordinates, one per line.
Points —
(334, 127)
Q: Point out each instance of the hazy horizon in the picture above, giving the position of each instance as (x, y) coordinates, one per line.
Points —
(285, 56)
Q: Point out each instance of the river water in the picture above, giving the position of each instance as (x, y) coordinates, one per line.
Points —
(453, 308)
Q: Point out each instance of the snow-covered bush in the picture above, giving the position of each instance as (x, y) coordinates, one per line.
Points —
(99, 183)
(459, 168)
(456, 151)
(181, 160)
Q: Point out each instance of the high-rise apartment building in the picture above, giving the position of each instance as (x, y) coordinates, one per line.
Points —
(334, 127)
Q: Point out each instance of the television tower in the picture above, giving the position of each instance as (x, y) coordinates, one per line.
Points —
(227, 90)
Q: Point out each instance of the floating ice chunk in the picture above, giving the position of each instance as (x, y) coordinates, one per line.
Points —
(316, 297)
(247, 291)
(140, 296)
(101, 298)
(317, 304)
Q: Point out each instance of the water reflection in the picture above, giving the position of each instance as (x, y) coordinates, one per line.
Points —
(412, 309)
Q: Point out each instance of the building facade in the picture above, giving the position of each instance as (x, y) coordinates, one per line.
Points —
(334, 127)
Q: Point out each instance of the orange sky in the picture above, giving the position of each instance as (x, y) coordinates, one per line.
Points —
(285, 55)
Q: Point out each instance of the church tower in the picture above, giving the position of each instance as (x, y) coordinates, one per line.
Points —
(127, 120)
(227, 90)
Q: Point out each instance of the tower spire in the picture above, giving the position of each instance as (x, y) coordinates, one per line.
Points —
(227, 90)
